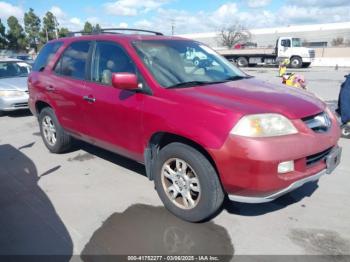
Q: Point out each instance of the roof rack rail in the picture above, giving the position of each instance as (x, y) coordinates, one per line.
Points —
(112, 31)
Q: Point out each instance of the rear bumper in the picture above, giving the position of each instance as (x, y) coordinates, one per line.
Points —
(273, 196)
(14, 103)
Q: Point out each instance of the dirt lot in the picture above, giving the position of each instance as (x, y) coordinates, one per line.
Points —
(91, 201)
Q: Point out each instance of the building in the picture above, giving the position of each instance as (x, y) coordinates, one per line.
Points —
(316, 35)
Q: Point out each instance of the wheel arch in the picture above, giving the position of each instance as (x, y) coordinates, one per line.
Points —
(160, 140)
(40, 105)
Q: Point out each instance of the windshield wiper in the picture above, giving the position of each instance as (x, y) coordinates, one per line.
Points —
(189, 84)
(198, 83)
(234, 78)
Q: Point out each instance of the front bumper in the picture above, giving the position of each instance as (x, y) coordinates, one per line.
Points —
(308, 59)
(332, 161)
(248, 167)
(14, 103)
(273, 196)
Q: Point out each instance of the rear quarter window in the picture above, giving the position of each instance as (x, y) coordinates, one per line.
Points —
(45, 55)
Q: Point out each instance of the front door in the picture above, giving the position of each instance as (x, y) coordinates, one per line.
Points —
(113, 116)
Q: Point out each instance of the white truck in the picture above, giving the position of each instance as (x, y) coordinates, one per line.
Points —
(286, 48)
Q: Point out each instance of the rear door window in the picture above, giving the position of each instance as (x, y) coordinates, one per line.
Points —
(45, 55)
(74, 60)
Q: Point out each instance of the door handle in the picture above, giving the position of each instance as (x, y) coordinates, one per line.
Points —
(89, 99)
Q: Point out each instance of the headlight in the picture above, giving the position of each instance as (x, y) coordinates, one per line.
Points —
(11, 93)
(264, 125)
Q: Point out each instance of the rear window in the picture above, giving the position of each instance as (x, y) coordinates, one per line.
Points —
(45, 55)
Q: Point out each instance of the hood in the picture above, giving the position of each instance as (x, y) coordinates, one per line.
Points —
(14, 83)
(252, 96)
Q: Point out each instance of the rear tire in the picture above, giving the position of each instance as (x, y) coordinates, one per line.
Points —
(187, 183)
(2, 113)
(53, 135)
(242, 61)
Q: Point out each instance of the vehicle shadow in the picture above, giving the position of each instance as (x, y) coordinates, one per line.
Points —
(110, 156)
(246, 209)
(150, 230)
(30, 226)
(237, 208)
(17, 113)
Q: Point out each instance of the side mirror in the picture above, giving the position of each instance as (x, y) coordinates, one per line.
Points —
(126, 81)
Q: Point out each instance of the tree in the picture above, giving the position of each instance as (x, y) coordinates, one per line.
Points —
(234, 34)
(3, 42)
(50, 26)
(15, 36)
(63, 32)
(97, 28)
(88, 28)
(338, 41)
(32, 25)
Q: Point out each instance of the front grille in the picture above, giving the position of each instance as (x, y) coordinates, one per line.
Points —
(17, 105)
(312, 53)
(313, 159)
(319, 123)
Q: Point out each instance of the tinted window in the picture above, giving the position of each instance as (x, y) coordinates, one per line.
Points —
(73, 61)
(45, 55)
(110, 58)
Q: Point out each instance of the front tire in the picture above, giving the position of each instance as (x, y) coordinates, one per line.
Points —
(345, 131)
(53, 135)
(196, 61)
(187, 183)
(296, 62)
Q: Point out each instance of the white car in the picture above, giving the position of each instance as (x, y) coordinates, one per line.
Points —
(13, 84)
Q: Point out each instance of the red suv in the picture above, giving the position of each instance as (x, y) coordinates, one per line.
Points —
(203, 130)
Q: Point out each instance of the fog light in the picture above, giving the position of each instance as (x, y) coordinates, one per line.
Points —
(285, 167)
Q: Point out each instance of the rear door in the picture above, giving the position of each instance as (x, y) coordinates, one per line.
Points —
(68, 84)
(113, 116)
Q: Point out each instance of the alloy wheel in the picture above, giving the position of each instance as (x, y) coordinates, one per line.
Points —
(49, 130)
(180, 183)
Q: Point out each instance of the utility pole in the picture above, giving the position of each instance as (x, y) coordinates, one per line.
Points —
(172, 26)
(56, 27)
(47, 35)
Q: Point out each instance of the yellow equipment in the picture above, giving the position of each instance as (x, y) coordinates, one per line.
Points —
(294, 80)
(282, 69)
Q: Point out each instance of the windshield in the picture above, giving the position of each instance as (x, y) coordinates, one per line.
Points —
(296, 42)
(181, 63)
(14, 69)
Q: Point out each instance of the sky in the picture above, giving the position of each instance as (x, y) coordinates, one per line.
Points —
(191, 16)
